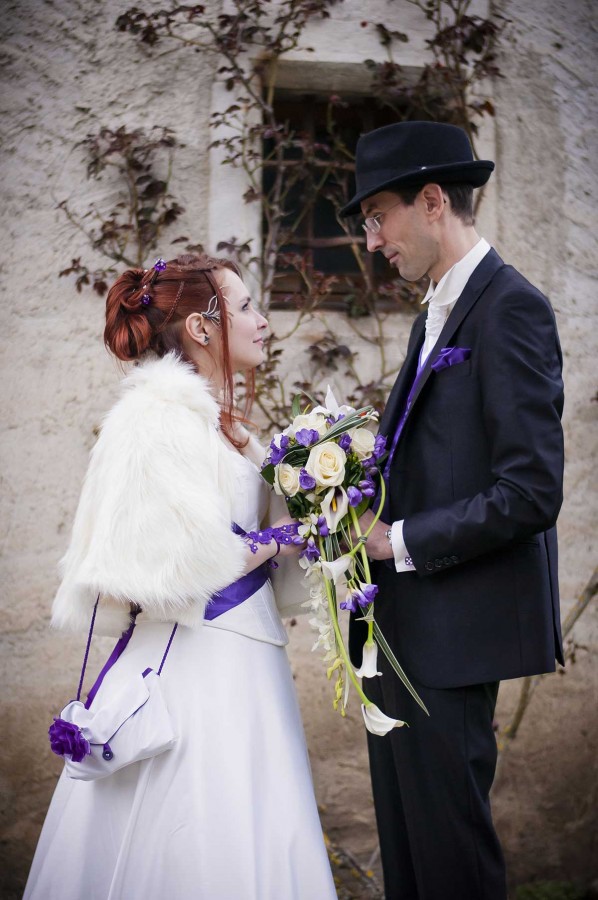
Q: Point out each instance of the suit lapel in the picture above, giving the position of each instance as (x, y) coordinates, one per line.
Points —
(400, 389)
(472, 291)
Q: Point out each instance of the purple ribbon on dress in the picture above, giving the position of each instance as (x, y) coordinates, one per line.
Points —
(236, 592)
(450, 356)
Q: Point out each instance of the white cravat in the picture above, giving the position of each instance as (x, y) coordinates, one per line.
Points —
(441, 299)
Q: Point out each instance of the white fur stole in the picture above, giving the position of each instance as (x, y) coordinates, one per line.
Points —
(153, 524)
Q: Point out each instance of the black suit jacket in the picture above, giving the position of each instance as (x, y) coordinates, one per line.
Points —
(477, 477)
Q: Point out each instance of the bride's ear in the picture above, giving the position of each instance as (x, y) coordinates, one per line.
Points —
(195, 326)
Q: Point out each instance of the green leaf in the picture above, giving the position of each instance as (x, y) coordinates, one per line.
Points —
(268, 473)
(296, 406)
(382, 643)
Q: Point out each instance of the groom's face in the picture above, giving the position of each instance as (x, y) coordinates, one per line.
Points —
(405, 237)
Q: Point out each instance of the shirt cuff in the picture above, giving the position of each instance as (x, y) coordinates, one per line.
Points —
(403, 561)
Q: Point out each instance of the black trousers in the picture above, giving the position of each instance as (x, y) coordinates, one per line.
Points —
(431, 783)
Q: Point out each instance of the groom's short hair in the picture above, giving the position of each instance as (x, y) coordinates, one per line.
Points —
(460, 197)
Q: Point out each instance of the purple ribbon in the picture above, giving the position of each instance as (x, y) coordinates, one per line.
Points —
(450, 356)
(237, 592)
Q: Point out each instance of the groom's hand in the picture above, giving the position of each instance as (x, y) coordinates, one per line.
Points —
(378, 546)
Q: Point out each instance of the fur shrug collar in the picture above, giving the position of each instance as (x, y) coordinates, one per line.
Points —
(153, 525)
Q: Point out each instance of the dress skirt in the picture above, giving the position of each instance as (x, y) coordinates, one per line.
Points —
(228, 814)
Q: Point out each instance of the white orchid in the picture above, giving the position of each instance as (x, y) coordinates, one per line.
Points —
(336, 571)
(376, 722)
(333, 407)
(309, 526)
(335, 507)
(369, 662)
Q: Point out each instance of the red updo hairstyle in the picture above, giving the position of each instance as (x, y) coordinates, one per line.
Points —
(146, 308)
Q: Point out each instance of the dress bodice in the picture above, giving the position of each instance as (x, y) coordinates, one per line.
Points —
(257, 617)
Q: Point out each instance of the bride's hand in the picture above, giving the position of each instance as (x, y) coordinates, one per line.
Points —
(288, 549)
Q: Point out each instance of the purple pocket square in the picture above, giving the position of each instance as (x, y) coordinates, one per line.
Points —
(450, 356)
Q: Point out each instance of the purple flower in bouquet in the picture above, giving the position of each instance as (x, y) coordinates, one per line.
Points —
(67, 738)
(307, 436)
(379, 446)
(350, 602)
(306, 481)
(354, 496)
(367, 487)
(323, 526)
(278, 451)
(345, 441)
(368, 592)
(310, 552)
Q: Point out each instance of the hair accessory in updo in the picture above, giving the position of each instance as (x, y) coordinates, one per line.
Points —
(159, 265)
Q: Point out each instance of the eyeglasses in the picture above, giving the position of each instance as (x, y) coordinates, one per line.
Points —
(373, 224)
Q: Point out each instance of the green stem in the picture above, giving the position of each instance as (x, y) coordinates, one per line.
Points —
(338, 635)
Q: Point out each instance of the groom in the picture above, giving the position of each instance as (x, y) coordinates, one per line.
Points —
(467, 577)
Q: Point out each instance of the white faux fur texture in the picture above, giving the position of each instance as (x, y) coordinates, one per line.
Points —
(153, 523)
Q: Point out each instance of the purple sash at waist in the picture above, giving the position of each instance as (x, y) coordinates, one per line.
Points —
(236, 592)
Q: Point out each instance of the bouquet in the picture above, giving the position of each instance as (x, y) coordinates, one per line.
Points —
(326, 464)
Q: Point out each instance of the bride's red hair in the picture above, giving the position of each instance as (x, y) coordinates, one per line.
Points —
(145, 309)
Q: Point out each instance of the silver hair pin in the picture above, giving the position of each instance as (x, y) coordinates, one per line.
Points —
(212, 313)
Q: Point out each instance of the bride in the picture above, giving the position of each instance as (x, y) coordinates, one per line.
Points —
(229, 812)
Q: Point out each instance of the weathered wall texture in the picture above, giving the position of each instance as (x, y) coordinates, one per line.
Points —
(66, 72)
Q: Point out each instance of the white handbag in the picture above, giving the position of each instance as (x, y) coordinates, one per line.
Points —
(132, 724)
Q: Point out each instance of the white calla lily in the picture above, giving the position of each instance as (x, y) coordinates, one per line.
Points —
(376, 722)
(369, 662)
(335, 507)
(336, 571)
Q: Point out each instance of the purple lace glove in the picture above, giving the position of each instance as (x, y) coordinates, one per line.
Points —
(284, 534)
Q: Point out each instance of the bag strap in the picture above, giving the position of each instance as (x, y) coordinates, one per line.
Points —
(93, 620)
(118, 649)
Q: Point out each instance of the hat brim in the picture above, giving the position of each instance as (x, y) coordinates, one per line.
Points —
(475, 173)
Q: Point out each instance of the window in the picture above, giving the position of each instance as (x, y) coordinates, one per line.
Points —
(319, 171)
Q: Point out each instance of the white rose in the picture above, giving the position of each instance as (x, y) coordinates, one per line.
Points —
(286, 480)
(311, 420)
(362, 442)
(326, 463)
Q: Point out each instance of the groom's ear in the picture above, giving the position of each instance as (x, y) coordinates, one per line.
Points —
(433, 200)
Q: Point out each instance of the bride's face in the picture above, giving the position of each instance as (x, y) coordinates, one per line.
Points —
(246, 326)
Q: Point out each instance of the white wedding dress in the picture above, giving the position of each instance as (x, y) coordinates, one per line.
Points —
(229, 813)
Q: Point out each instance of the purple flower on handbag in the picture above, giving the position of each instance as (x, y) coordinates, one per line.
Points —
(450, 356)
(65, 737)
(354, 496)
(310, 552)
(306, 481)
(345, 441)
(307, 436)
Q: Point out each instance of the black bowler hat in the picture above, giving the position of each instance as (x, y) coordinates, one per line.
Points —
(412, 153)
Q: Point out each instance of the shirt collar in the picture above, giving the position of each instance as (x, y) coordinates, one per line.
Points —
(451, 285)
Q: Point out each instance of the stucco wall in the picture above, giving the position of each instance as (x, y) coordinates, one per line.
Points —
(67, 71)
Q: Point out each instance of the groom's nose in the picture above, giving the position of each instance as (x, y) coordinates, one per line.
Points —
(373, 241)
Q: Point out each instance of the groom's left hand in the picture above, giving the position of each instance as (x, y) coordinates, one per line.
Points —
(378, 546)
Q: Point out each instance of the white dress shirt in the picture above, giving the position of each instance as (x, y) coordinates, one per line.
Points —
(441, 299)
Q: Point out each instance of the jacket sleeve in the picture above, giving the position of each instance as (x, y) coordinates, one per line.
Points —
(153, 524)
(521, 404)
